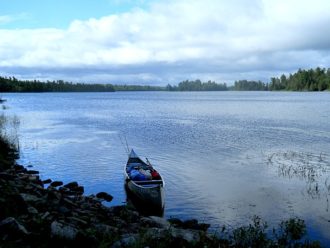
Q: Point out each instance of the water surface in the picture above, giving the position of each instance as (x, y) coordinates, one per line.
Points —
(225, 156)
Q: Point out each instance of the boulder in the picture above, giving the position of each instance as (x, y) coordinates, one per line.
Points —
(105, 196)
(30, 198)
(32, 210)
(79, 190)
(155, 221)
(71, 185)
(6, 176)
(127, 240)
(176, 222)
(47, 181)
(63, 231)
(56, 183)
(186, 234)
(193, 224)
(32, 172)
(10, 228)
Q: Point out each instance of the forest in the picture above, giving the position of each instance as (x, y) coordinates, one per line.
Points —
(197, 85)
(11, 84)
(303, 80)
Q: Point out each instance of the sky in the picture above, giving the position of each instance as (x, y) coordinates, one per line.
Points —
(159, 42)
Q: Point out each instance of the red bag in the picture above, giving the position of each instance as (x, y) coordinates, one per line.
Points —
(155, 175)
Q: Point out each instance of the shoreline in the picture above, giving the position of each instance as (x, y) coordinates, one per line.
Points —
(41, 213)
(46, 213)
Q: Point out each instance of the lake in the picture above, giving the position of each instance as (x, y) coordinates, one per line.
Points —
(225, 156)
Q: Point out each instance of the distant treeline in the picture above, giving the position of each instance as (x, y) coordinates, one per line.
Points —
(197, 85)
(11, 84)
(303, 80)
(126, 87)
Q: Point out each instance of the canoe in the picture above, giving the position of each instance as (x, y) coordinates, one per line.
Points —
(144, 181)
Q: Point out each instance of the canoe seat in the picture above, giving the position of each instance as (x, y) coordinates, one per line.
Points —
(135, 164)
(149, 182)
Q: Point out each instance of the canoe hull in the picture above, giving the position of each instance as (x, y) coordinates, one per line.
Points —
(149, 195)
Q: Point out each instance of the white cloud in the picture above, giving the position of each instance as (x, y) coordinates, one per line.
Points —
(175, 40)
(5, 19)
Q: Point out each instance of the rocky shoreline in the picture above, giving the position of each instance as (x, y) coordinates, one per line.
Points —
(42, 213)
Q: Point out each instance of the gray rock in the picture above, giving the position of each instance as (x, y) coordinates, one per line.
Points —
(32, 210)
(186, 234)
(63, 210)
(105, 230)
(29, 197)
(156, 233)
(126, 240)
(45, 215)
(11, 227)
(78, 221)
(155, 221)
(63, 231)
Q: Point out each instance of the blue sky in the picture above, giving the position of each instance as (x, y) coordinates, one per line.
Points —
(60, 13)
(158, 42)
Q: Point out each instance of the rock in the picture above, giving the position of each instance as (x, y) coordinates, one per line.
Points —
(176, 222)
(190, 224)
(78, 190)
(18, 167)
(64, 190)
(54, 197)
(77, 221)
(12, 228)
(127, 240)
(45, 215)
(33, 178)
(32, 172)
(56, 183)
(105, 230)
(86, 239)
(105, 196)
(63, 210)
(6, 176)
(193, 224)
(47, 181)
(188, 235)
(63, 231)
(32, 210)
(71, 185)
(155, 233)
(69, 202)
(13, 205)
(155, 221)
(29, 198)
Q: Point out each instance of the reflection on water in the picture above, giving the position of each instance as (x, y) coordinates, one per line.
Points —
(209, 146)
(142, 207)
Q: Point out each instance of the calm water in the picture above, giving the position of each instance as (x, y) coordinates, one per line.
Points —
(225, 156)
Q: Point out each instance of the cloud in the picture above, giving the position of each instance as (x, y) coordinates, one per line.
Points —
(5, 19)
(176, 40)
